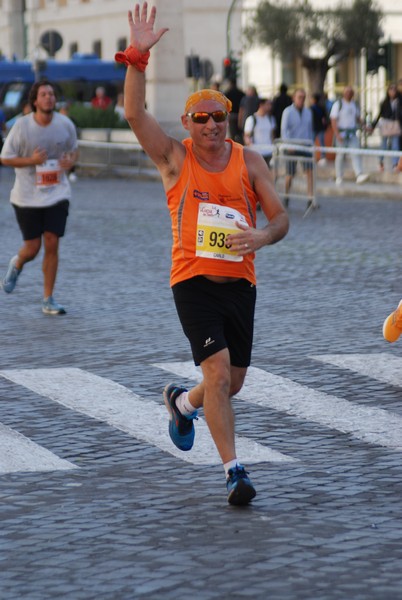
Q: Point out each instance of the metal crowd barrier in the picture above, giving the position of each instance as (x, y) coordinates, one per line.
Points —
(111, 156)
(129, 157)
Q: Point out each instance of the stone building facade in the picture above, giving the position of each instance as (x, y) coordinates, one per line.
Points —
(207, 30)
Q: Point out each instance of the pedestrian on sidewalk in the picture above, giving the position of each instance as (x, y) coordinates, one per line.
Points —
(248, 106)
(297, 128)
(281, 101)
(345, 121)
(42, 148)
(259, 130)
(320, 123)
(388, 121)
(235, 95)
(212, 186)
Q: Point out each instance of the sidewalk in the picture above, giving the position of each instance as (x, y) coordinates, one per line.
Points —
(137, 165)
(385, 185)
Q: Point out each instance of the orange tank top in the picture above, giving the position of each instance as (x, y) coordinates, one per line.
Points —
(203, 208)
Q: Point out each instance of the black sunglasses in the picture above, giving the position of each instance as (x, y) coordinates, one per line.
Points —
(203, 117)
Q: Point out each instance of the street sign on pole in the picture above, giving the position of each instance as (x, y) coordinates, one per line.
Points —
(51, 41)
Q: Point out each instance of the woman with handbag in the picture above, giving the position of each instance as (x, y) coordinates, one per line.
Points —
(389, 121)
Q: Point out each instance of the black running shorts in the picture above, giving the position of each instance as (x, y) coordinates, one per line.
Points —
(215, 316)
(33, 222)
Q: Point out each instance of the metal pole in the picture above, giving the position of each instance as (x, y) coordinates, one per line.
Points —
(363, 106)
(228, 45)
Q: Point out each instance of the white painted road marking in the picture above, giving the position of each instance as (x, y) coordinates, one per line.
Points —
(370, 424)
(145, 420)
(18, 453)
(383, 367)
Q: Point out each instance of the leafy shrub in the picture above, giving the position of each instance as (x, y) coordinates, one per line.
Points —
(87, 116)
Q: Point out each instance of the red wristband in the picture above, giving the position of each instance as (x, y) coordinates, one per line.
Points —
(135, 58)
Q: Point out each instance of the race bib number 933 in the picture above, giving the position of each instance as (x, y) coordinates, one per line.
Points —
(214, 223)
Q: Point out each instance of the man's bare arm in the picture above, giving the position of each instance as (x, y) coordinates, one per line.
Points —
(156, 143)
(38, 157)
(250, 239)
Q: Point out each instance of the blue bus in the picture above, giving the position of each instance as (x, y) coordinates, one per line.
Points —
(75, 80)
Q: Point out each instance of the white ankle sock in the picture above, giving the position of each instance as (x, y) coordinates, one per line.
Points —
(184, 405)
(230, 465)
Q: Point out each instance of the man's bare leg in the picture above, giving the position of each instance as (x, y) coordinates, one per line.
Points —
(50, 262)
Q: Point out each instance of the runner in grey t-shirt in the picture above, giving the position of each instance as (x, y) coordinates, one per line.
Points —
(42, 147)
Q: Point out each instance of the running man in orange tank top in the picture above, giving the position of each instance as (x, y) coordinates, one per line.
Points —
(213, 186)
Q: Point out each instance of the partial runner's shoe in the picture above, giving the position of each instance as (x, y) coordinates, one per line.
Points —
(362, 178)
(10, 280)
(181, 428)
(51, 307)
(240, 489)
(392, 327)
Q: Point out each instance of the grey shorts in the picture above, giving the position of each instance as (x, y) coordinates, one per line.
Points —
(291, 165)
(215, 316)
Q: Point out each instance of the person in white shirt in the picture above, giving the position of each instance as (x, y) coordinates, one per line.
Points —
(345, 121)
(259, 129)
(42, 148)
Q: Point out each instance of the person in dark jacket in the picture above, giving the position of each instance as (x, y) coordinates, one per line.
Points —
(281, 101)
(320, 119)
(248, 106)
(235, 95)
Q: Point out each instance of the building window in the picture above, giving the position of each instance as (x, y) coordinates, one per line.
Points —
(73, 48)
(121, 44)
(97, 48)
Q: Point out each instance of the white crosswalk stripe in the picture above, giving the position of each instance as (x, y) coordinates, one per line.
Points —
(18, 453)
(145, 420)
(367, 423)
(114, 404)
(386, 368)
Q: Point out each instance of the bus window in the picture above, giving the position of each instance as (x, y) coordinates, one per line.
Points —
(13, 95)
(74, 80)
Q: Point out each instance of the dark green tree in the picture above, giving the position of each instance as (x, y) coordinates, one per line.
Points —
(293, 29)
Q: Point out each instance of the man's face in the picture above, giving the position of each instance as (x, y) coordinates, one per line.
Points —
(299, 99)
(46, 100)
(348, 94)
(211, 132)
(268, 107)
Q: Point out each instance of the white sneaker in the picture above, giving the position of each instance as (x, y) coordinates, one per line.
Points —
(10, 280)
(51, 307)
(362, 178)
(338, 181)
(72, 177)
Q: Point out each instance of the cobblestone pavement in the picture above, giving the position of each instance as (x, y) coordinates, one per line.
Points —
(132, 521)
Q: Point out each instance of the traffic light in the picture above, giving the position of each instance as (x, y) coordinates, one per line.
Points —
(381, 58)
(193, 67)
(230, 68)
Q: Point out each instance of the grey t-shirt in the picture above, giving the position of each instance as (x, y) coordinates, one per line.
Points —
(41, 185)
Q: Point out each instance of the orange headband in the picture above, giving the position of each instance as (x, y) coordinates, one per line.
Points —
(207, 95)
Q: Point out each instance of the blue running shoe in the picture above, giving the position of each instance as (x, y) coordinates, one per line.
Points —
(181, 428)
(51, 307)
(10, 280)
(240, 489)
